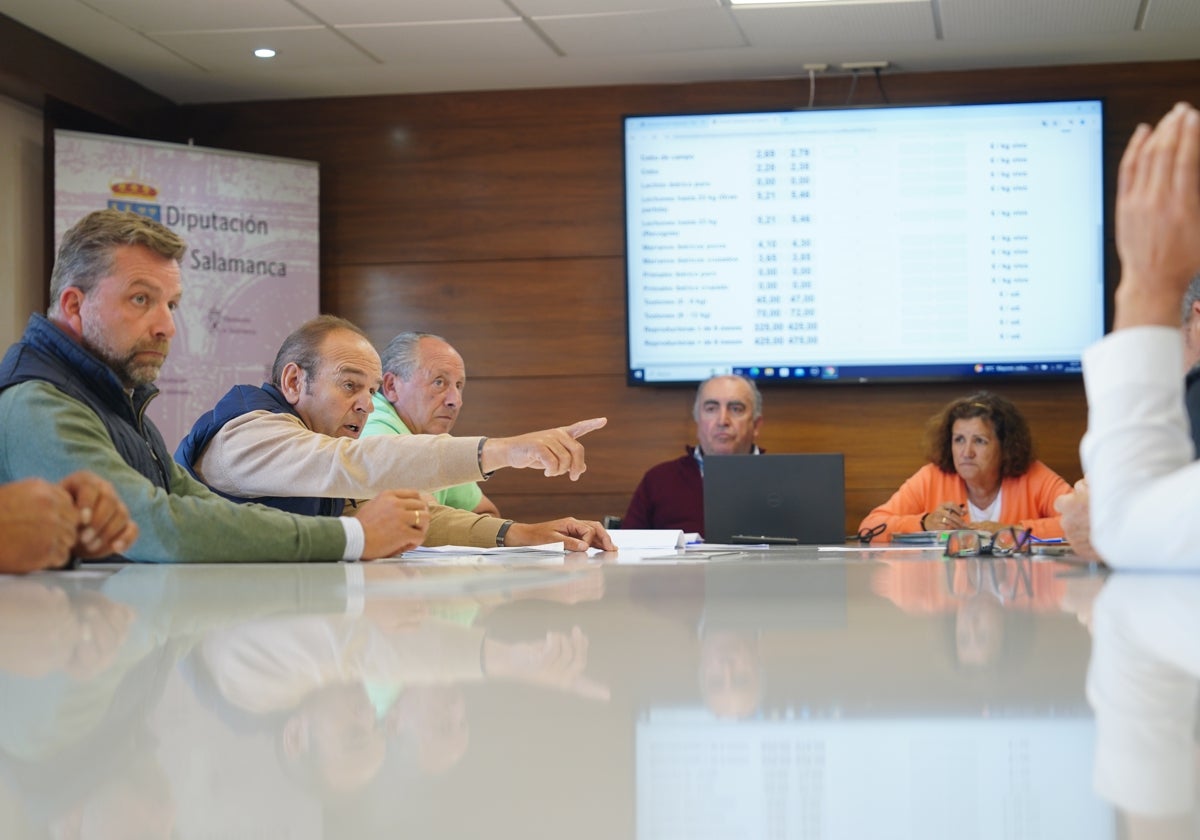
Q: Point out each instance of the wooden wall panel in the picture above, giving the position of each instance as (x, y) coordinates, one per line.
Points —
(454, 177)
(496, 220)
(508, 318)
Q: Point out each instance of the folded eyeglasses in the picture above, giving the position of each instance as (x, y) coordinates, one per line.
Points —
(1004, 542)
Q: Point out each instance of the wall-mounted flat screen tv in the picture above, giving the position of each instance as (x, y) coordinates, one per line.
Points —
(870, 244)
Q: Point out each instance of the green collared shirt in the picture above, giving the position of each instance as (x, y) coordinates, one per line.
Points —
(385, 421)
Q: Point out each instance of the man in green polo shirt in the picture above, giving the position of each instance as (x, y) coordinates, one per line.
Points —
(422, 393)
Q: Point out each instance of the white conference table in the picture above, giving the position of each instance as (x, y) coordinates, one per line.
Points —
(789, 693)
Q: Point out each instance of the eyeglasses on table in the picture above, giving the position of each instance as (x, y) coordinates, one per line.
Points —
(865, 535)
(1002, 543)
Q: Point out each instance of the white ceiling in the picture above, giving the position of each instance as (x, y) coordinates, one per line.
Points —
(201, 50)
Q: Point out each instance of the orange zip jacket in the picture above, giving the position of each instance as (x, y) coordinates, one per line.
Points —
(1027, 500)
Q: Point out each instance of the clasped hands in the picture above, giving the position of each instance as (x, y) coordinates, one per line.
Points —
(45, 524)
(949, 516)
(946, 517)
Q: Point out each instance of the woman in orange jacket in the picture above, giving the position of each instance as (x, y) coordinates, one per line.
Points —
(982, 475)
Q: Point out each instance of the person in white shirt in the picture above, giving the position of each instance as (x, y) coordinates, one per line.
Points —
(1137, 453)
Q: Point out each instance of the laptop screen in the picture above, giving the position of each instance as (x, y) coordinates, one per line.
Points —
(800, 497)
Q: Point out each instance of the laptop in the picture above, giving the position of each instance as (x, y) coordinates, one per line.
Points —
(775, 498)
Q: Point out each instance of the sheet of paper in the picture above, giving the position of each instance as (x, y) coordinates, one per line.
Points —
(465, 555)
(635, 538)
(543, 558)
(546, 548)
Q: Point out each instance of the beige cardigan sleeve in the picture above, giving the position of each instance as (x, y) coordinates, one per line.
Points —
(268, 454)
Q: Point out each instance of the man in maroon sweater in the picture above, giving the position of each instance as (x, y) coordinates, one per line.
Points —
(728, 414)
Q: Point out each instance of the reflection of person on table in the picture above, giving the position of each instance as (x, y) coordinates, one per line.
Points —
(75, 746)
(731, 672)
(1143, 683)
(44, 630)
(338, 688)
(83, 665)
(727, 618)
(981, 474)
(977, 592)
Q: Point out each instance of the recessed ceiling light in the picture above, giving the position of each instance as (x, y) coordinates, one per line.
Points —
(773, 2)
(264, 52)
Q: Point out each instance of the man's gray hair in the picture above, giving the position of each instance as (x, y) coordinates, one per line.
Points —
(1190, 297)
(85, 255)
(400, 357)
(755, 394)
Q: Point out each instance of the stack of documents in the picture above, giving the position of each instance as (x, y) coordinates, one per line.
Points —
(669, 547)
(640, 539)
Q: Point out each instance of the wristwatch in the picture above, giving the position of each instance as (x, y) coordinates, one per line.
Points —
(503, 532)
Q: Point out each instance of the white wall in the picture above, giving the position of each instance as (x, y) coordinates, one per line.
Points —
(21, 230)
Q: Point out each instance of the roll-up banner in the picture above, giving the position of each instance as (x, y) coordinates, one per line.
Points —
(251, 271)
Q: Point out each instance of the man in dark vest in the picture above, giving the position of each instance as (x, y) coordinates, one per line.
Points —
(294, 443)
(74, 391)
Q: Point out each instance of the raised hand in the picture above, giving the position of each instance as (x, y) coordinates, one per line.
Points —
(1157, 219)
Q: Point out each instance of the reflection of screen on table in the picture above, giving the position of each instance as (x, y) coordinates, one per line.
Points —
(920, 778)
(936, 242)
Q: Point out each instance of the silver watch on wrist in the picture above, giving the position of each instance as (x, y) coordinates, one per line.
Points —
(503, 532)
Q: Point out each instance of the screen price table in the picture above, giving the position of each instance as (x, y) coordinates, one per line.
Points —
(838, 246)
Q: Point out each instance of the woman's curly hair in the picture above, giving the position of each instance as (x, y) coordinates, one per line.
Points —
(1012, 432)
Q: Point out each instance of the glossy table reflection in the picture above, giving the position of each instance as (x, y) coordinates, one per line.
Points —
(781, 694)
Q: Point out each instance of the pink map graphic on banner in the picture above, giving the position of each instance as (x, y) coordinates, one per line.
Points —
(252, 268)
